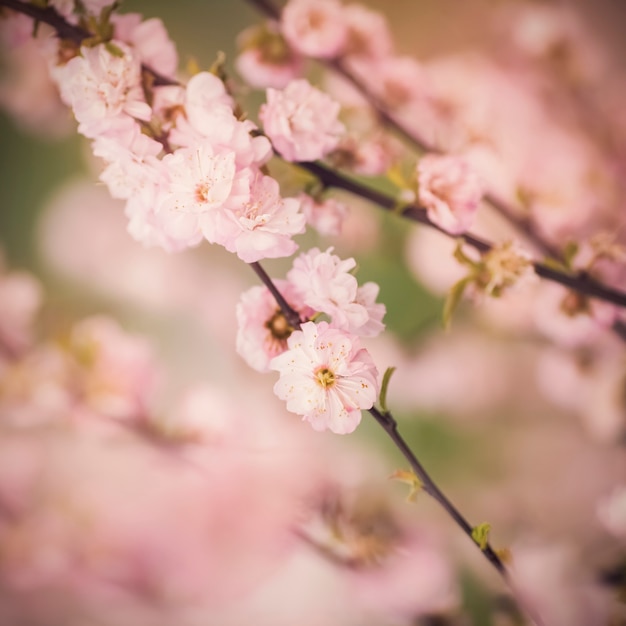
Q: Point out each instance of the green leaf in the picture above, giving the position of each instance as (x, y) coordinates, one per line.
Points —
(453, 299)
(480, 534)
(383, 388)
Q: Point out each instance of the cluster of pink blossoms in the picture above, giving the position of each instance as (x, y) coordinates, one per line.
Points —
(190, 169)
(187, 167)
(325, 375)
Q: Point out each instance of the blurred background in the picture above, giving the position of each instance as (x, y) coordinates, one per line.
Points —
(487, 406)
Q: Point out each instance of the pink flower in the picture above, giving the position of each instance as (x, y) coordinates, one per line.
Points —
(262, 226)
(301, 121)
(399, 81)
(366, 297)
(263, 331)
(207, 102)
(101, 86)
(200, 181)
(326, 377)
(149, 39)
(119, 372)
(326, 216)
(27, 92)
(324, 283)
(20, 298)
(265, 59)
(315, 28)
(368, 33)
(450, 191)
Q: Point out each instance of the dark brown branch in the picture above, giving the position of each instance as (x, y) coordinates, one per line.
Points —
(292, 316)
(49, 16)
(389, 424)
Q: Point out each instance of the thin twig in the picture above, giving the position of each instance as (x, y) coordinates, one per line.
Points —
(389, 424)
(292, 316)
(386, 420)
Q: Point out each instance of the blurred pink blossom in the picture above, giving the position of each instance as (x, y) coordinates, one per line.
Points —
(149, 39)
(450, 191)
(553, 584)
(20, 299)
(612, 512)
(326, 216)
(315, 28)
(265, 59)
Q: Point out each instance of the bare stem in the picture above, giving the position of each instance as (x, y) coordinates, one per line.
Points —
(389, 424)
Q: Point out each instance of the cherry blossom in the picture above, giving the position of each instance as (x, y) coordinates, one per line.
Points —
(20, 298)
(266, 60)
(149, 40)
(200, 182)
(263, 329)
(450, 191)
(324, 283)
(326, 377)
(261, 226)
(301, 121)
(100, 86)
(326, 216)
(119, 369)
(368, 33)
(315, 28)
(27, 91)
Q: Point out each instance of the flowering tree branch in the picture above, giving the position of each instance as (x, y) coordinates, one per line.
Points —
(582, 283)
(413, 139)
(203, 200)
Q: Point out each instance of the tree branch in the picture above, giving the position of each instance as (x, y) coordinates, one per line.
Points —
(582, 283)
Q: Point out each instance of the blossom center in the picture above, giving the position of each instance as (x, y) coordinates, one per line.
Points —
(202, 192)
(325, 377)
(317, 20)
(278, 326)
